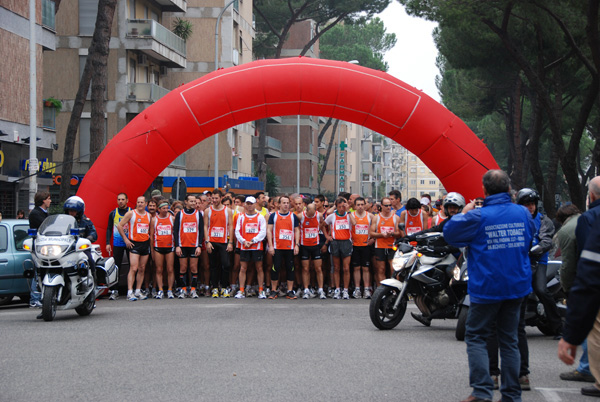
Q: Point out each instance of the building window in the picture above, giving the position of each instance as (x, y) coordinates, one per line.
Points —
(88, 9)
(422, 182)
(413, 170)
(433, 182)
(132, 70)
(422, 170)
(413, 182)
(131, 9)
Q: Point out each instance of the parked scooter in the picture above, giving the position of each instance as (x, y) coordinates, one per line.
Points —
(433, 279)
(63, 268)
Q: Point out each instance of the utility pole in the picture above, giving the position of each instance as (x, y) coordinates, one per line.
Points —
(33, 162)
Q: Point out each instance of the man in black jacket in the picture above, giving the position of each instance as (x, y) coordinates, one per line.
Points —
(42, 201)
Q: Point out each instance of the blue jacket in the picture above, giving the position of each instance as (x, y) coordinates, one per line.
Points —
(499, 237)
(584, 297)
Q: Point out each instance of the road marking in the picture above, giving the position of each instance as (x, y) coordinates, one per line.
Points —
(551, 394)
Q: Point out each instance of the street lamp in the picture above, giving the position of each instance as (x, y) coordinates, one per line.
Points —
(216, 68)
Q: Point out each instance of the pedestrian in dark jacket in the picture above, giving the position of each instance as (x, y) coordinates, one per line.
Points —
(42, 201)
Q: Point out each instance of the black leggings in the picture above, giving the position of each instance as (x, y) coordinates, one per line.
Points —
(219, 265)
(285, 257)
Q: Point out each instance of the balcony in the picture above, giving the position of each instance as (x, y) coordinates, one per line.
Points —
(145, 92)
(272, 147)
(173, 5)
(156, 41)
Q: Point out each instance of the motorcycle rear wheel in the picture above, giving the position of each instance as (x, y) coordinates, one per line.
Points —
(49, 303)
(382, 314)
(88, 305)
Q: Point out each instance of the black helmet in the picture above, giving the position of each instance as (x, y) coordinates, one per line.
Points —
(527, 195)
(74, 204)
(454, 199)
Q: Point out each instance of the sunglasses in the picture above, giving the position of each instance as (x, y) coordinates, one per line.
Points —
(386, 205)
(479, 203)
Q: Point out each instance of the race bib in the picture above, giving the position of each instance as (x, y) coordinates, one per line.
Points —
(311, 233)
(217, 232)
(387, 229)
(142, 228)
(252, 228)
(163, 230)
(342, 225)
(189, 227)
(361, 229)
(286, 234)
(411, 230)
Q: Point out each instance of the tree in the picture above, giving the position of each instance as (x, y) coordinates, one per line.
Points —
(95, 72)
(276, 18)
(550, 76)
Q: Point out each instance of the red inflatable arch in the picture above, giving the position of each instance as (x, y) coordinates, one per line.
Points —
(283, 87)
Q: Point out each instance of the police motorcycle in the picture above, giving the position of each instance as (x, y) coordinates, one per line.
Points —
(434, 279)
(60, 258)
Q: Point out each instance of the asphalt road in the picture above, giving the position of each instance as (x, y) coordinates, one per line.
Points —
(244, 350)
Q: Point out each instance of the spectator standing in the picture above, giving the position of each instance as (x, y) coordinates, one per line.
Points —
(42, 201)
(499, 236)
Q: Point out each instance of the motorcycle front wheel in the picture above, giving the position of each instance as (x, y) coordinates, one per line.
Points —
(88, 305)
(49, 303)
(381, 308)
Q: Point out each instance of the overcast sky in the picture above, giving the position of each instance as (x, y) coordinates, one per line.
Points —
(412, 60)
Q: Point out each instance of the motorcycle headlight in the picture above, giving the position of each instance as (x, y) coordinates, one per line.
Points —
(456, 273)
(402, 260)
(51, 250)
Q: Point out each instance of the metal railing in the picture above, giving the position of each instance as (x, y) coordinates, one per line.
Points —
(151, 28)
(274, 143)
(145, 92)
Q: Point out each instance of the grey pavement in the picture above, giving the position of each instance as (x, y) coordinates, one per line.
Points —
(245, 350)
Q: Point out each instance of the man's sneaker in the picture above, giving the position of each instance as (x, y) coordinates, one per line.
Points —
(337, 294)
(322, 294)
(273, 295)
(262, 295)
(131, 297)
(312, 293)
(306, 295)
(159, 295)
(35, 304)
(181, 294)
(155, 292)
(524, 383)
(345, 294)
(240, 295)
(356, 294)
(367, 294)
(291, 295)
(194, 294)
(141, 296)
(251, 292)
(330, 293)
(577, 376)
(170, 294)
(299, 293)
(114, 295)
(225, 293)
(215, 293)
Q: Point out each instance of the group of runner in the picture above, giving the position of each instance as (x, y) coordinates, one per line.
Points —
(224, 245)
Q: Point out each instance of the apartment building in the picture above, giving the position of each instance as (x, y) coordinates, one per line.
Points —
(146, 61)
(15, 100)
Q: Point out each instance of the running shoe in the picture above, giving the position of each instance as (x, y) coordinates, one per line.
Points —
(181, 294)
(345, 294)
(306, 295)
(291, 295)
(299, 293)
(273, 295)
(141, 296)
(225, 293)
(367, 294)
(215, 293)
(322, 294)
(131, 297)
(262, 295)
(159, 295)
(114, 295)
(240, 295)
(170, 294)
(194, 294)
(311, 293)
(356, 294)
(337, 294)
(330, 293)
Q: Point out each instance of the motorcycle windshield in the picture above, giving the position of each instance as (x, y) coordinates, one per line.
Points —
(57, 225)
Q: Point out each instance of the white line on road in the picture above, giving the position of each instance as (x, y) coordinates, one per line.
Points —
(551, 394)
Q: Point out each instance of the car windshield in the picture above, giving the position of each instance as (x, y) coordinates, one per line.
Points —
(57, 225)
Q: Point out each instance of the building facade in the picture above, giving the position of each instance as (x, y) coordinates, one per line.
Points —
(15, 100)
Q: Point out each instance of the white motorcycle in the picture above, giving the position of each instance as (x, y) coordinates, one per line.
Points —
(63, 267)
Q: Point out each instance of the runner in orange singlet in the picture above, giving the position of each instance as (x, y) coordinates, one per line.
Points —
(137, 240)
(310, 222)
(188, 235)
(361, 250)
(161, 236)
(218, 226)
